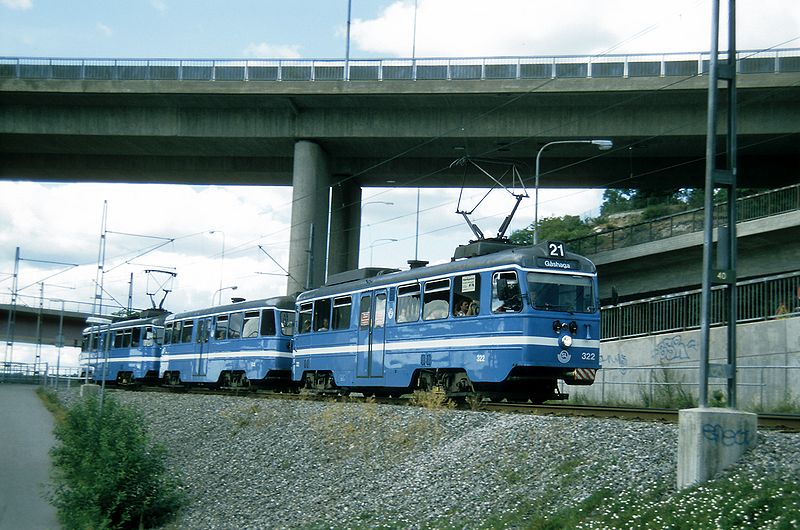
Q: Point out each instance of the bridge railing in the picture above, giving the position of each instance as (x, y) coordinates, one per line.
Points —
(420, 69)
(31, 304)
(750, 208)
(758, 299)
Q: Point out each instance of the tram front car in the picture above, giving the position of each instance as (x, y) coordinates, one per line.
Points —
(500, 321)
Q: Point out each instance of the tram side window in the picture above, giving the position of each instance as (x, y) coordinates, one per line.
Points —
(136, 337)
(235, 325)
(380, 311)
(221, 328)
(506, 296)
(186, 331)
(342, 308)
(268, 323)
(126, 338)
(322, 315)
(149, 337)
(436, 301)
(305, 317)
(365, 312)
(250, 328)
(176, 333)
(466, 295)
(408, 303)
(117, 339)
(287, 323)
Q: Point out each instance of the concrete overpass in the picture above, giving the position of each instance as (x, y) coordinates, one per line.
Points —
(312, 126)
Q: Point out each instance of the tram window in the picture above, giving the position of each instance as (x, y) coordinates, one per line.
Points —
(177, 332)
(159, 335)
(117, 339)
(466, 295)
(560, 292)
(287, 323)
(322, 315)
(186, 331)
(221, 328)
(365, 312)
(342, 307)
(380, 311)
(305, 317)
(126, 338)
(235, 325)
(408, 303)
(436, 301)
(136, 336)
(506, 296)
(149, 337)
(250, 328)
(167, 333)
(268, 322)
(85, 343)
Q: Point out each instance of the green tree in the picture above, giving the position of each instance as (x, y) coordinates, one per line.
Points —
(107, 472)
(554, 228)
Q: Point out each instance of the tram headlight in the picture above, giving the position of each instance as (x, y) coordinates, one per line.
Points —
(566, 341)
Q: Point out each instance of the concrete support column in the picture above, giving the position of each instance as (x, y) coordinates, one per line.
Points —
(345, 227)
(309, 232)
(710, 440)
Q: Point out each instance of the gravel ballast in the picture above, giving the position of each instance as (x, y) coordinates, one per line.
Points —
(271, 463)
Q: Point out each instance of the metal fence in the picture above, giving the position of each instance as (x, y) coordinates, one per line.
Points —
(468, 68)
(752, 207)
(759, 299)
(39, 374)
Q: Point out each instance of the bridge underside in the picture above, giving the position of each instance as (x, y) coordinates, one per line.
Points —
(344, 136)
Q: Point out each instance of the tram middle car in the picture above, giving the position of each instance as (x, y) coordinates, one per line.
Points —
(125, 352)
(502, 323)
(233, 345)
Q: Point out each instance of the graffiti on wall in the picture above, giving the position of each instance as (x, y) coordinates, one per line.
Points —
(674, 349)
(618, 360)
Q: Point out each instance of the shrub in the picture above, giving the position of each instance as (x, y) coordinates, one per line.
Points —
(107, 472)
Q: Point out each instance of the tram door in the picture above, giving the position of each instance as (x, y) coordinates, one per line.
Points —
(371, 334)
(201, 345)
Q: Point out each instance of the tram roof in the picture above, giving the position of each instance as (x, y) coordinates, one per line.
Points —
(278, 302)
(526, 257)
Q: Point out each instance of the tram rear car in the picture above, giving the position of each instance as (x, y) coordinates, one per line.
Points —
(506, 324)
(127, 351)
(232, 345)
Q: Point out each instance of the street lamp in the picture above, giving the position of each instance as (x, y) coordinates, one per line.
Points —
(603, 145)
(221, 261)
(231, 287)
(372, 246)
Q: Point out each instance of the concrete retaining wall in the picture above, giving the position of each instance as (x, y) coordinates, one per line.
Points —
(643, 369)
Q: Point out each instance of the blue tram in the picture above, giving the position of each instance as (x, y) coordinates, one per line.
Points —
(232, 345)
(126, 351)
(504, 322)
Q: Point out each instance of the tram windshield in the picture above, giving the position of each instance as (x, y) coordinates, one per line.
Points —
(561, 292)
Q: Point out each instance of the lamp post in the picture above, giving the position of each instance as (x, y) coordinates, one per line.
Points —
(603, 145)
(372, 246)
(231, 287)
(221, 261)
(386, 203)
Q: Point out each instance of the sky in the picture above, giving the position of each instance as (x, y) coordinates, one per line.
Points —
(202, 242)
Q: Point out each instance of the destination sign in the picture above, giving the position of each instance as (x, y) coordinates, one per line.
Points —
(563, 264)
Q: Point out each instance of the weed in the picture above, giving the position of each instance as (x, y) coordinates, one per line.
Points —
(667, 392)
(431, 400)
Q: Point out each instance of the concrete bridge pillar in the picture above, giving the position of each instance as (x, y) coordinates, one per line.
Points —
(308, 238)
(345, 226)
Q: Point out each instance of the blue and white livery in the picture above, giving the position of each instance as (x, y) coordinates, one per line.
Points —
(126, 351)
(504, 322)
(231, 345)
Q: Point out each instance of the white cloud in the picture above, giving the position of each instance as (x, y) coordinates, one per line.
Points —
(273, 51)
(159, 5)
(526, 27)
(104, 29)
(17, 4)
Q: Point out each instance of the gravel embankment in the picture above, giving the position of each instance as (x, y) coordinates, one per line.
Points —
(248, 463)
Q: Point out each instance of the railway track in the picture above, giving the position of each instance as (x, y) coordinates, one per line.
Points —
(779, 422)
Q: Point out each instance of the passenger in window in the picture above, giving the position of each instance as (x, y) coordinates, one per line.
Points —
(462, 309)
(324, 325)
(474, 309)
